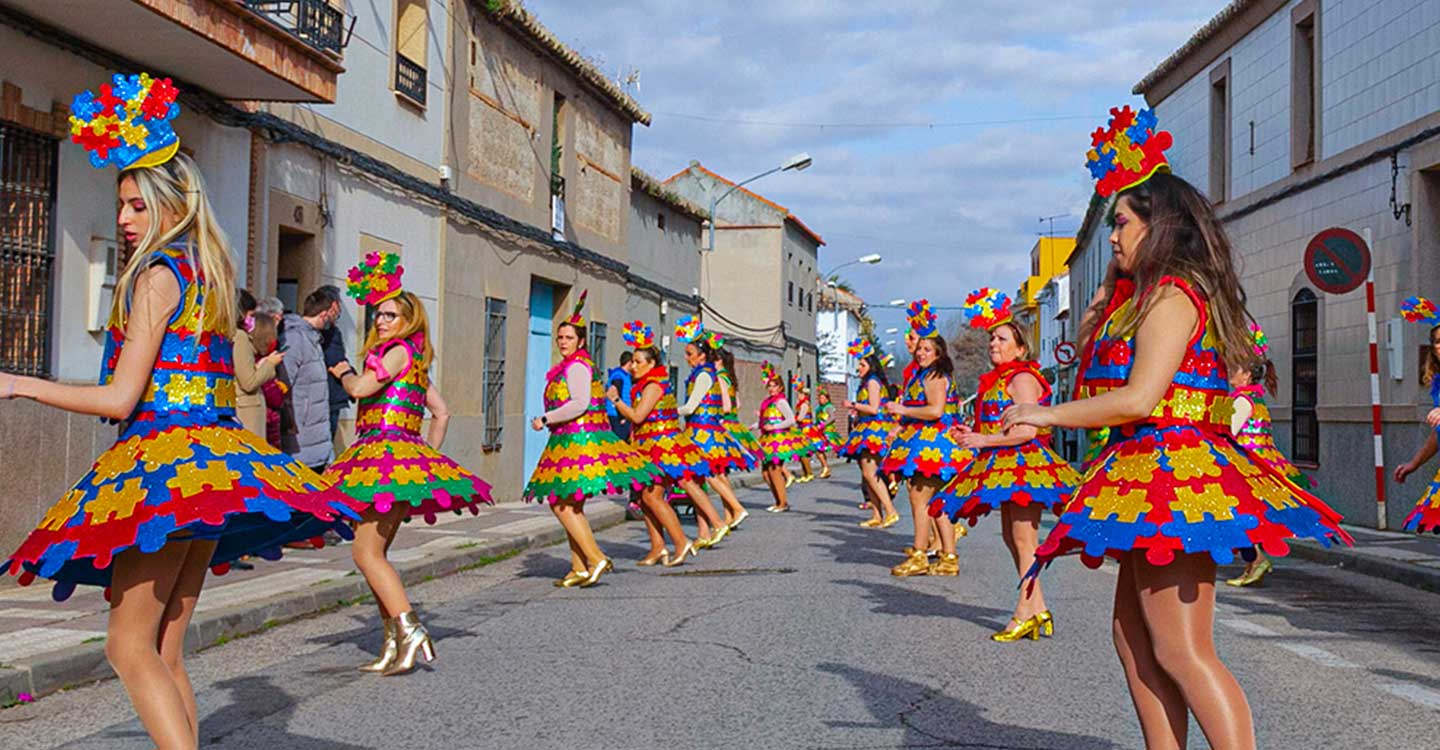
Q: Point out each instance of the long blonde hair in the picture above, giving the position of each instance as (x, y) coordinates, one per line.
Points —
(177, 189)
(412, 311)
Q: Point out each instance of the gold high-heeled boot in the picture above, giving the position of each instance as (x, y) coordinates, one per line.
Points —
(915, 564)
(412, 642)
(388, 650)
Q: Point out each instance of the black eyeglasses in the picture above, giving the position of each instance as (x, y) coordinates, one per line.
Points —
(388, 317)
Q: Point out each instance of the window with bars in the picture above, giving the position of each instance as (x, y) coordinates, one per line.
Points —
(27, 250)
(1304, 383)
(598, 333)
(494, 380)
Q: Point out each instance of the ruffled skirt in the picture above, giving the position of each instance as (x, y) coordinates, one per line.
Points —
(578, 464)
(383, 469)
(925, 449)
(1426, 516)
(1023, 475)
(869, 436)
(676, 455)
(724, 453)
(1180, 490)
(784, 446)
(179, 479)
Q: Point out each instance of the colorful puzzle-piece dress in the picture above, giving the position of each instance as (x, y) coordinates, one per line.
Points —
(924, 447)
(780, 444)
(583, 458)
(183, 467)
(660, 436)
(737, 429)
(706, 428)
(1258, 437)
(1177, 482)
(1426, 515)
(806, 419)
(1027, 474)
(390, 463)
(869, 433)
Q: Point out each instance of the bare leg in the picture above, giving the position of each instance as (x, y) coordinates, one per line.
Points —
(372, 538)
(805, 464)
(824, 462)
(703, 508)
(919, 493)
(577, 527)
(1158, 703)
(652, 526)
(141, 587)
(726, 491)
(665, 515)
(176, 620)
(878, 491)
(775, 474)
(1021, 528)
(1178, 602)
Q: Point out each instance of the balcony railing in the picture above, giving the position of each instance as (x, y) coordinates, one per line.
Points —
(410, 79)
(314, 22)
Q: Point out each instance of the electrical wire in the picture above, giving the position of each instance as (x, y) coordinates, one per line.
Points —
(870, 125)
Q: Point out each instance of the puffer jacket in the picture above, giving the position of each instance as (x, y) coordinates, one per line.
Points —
(310, 393)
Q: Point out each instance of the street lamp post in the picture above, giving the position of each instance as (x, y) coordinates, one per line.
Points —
(798, 162)
(869, 260)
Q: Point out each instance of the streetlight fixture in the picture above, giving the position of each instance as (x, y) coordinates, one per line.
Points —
(898, 302)
(798, 162)
(892, 330)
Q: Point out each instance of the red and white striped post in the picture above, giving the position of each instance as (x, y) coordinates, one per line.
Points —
(1375, 389)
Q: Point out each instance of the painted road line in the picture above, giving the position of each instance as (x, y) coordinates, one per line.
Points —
(1414, 693)
(1319, 655)
(1248, 628)
(30, 641)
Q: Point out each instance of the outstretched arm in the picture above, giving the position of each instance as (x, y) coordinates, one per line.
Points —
(155, 299)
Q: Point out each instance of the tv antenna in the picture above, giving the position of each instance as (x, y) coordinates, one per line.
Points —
(1052, 219)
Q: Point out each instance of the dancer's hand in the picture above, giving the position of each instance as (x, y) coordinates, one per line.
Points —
(1031, 414)
(1402, 471)
(894, 408)
(612, 393)
(7, 385)
(1433, 418)
(537, 424)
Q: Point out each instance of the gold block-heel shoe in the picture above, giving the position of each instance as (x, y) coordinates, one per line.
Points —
(1047, 623)
(601, 568)
(825, 474)
(890, 520)
(870, 523)
(915, 565)
(1253, 576)
(789, 479)
(388, 650)
(412, 642)
(1022, 629)
(945, 565)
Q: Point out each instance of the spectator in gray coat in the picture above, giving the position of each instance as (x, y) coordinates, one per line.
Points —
(312, 444)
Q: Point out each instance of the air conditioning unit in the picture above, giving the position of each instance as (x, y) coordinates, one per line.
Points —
(100, 286)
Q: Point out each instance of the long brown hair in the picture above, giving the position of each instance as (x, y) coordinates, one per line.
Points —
(1432, 363)
(1185, 240)
(412, 311)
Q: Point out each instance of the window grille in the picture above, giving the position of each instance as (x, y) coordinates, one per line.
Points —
(1304, 386)
(27, 250)
(494, 377)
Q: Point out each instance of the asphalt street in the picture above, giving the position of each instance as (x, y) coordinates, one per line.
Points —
(791, 634)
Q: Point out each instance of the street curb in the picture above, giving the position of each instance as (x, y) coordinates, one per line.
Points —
(85, 663)
(1406, 574)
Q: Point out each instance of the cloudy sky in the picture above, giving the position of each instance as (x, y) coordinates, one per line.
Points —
(941, 129)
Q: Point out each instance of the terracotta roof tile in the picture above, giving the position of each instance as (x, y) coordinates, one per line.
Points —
(783, 210)
(645, 183)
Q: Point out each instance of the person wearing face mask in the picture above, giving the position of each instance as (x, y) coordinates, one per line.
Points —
(1173, 494)
(312, 443)
(1016, 470)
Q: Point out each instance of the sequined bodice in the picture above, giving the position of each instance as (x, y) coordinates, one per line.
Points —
(1199, 393)
(557, 392)
(194, 373)
(1255, 433)
(995, 396)
(770, 414)
(728, 384)
(803, 416)
(400, 405)
(663, 419)
(711, 407)
(914, 397)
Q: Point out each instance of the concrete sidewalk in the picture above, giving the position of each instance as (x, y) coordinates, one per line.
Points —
(47, 645)
(1405, 558)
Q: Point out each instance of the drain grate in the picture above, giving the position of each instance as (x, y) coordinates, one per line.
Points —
(733, 572)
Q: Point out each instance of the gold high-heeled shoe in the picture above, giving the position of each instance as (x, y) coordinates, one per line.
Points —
(789, 479)
(600, 569)
(671, 562)
(960, 531)
(1253, 575)
(870, 523)
(1047, 623)
(945, 565)
(744, 514)
(825, 473)
(570, 579)
(388, 649)
(653, 559)
(890, 520)
(719, 535)
(411, 642)
(806, 478)
(1022, 629)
